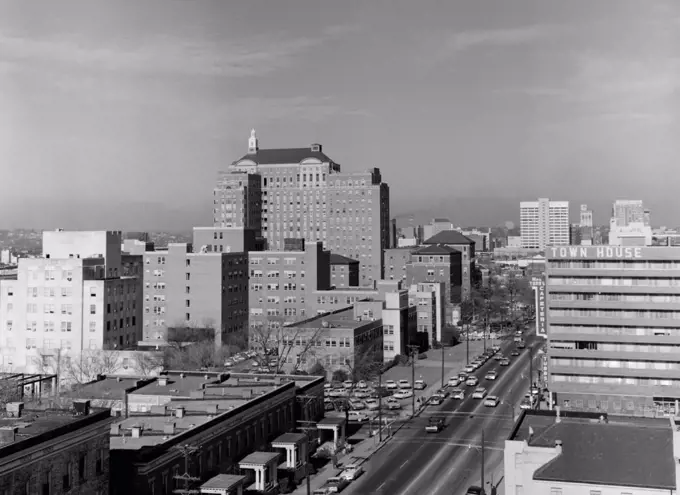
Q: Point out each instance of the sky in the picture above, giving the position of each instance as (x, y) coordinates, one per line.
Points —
(118, 115)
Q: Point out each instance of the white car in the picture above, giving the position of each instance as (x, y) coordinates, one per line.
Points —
(458, 393)
(454, 381)
(491, 401)
(351, 472)
(348, 384)
(479, 393)
(391, 385)
(472, 381)
(338, 392)
(393, 404)
(403, 394)
(372, 404)
(327, 386)
(404, 384)
(362, 394)
(420, 385)
(491, 375)
(358, 416)
(357, 404)
(469, 368)
(362, 384)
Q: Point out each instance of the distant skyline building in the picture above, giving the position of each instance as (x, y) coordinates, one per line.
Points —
(436, 226)
(627, 211)
(586, 226)
(302, 193)
(630, 224)
(544, 223)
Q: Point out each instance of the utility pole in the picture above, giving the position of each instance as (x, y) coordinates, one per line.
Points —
(414, 354)
(380, 394)
(307, 426)
(187, 451)
(483, 489)
(442, 344)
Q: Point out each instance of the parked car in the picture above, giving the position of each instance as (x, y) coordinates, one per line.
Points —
(358, 416)
(436, 400)
(420, 385)
(472, 381)
(491, 401)
(443, 392)
(404, 384)
(328, 405)
(498, 357)
(525, 404)
(453, 381)
(356, 404)
(535, 390)
(496, 348)
(435, 425)
(338, 392)
(352, 472)
(391, 385)
(514, 352)
(458, 393)
(362, 394)
(462, 376)
(372, 404)
(479, 393)
(403, 394)
(337, 484)
(469, 368)
(392, 404)
(491, 375)
(348, 384)
(362, 384)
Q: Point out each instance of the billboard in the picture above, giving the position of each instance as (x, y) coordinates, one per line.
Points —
(538, 283)
(612, 253)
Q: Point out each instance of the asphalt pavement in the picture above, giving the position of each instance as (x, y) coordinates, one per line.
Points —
(448, 462)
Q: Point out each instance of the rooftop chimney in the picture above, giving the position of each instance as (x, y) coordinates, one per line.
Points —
(118, 379)
(162, 381)
(558, 446)
(558, 416)
(14, 409)
(206, 377)
(179, 412)
(82, 407)
(169, 428)
(7, 434)
(136, 431)
(211, 409)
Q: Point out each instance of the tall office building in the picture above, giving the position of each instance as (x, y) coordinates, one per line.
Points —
(627, 211)
(303, 194)
(630, 224)
(544, 223)
(586, 226)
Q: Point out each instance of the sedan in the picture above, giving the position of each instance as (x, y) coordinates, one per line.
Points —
(443, 392)
(472, 381)
(403, 394)
(453, 381)
(436, 400)
(348, 384)
(469, 368)
(458, 393)
(362, 384)
(372, 404)
(514, 352)
(393, 404)
(420, 385)
(404, 384)
(479, 393)
(337, 392)
(391, 385)
(362, 394)
(505, 362)
(525, 404)
(491, 401)
(491, 375)
(356, 404)
(357, 416)
(498, 357)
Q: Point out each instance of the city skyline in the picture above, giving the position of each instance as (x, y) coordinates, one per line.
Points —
(120, 117)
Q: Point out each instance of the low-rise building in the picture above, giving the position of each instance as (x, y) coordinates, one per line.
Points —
(344, 271)
(581, 453)
(54, 451)
(399, 325)
(456, 240)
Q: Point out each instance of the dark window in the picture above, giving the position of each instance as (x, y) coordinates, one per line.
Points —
(98, 463)
(81, 467)
(66, 479)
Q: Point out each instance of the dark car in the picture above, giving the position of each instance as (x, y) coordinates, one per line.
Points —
(475, 490)
(514, 352)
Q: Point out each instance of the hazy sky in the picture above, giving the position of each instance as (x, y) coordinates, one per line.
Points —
(118, 114)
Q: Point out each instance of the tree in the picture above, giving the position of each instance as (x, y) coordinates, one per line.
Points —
(148, 363)
(192, 346)
(91, 363)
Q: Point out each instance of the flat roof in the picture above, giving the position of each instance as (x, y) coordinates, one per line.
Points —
(619, 451)
(180, 384)
(224, 481)
(110, 387)
(259, 458)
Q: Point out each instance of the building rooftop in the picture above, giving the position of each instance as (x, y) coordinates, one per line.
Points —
(284, 156)
(338, 259)
(449, 237)
(343, 318)
(259, 458)
(108, 387)
(224, 482)
(435, 249)
(620, 451)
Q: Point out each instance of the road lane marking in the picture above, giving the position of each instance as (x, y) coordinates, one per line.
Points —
(404, 463)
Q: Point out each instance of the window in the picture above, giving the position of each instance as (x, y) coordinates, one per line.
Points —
(81, 467)
(93, 309)
(93, 326)
(47, 483)
(188, 275)
(188, 303)
(188, 316)
(555, 491)
(66, 478)
(98, 464)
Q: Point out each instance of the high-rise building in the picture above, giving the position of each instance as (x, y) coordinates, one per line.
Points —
(74, 298)
(627, 211)
(544, 223)
(630, 224)
(586, 226)
(303, 194)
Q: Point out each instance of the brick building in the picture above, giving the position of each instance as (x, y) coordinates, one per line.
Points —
(344, 271)
(466, 246)
(396, 260)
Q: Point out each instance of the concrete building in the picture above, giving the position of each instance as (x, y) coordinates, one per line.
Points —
(408, 237)
(305, 195)
(613, 340)
(436, 226)
(228, 417)
(226, 240)
(396, 261)
(400, 326)
(428, 298)
(324, 301)
(544, 223)
(282, 282)
(514, 241)
(344, 271)
(481, 237)
(563, 453)
(633, 234)
(55, 451)
(345, 339)
(72, 299)
(237, 201)
(627, 211)
(586, 226)
(458, 241)
(438, 264)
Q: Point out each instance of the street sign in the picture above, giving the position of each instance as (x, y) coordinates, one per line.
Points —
(538, 284)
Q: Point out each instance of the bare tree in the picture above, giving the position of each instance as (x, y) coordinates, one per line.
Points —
(91, 363)
(148, 363)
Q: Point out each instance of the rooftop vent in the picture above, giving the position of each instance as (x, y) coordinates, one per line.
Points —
(316, 147)
(206, 377)
(325, 324)
(115, 429)
(137, 431)
(182, 376)
(14, 409)
(82, 407)
(179, 412)
(162, 381)
(119, 379)
(8, 434)
(169, 428)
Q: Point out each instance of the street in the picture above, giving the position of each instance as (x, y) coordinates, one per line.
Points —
(449, 461)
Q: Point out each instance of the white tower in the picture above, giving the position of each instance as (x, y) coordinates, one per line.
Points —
(252, 143)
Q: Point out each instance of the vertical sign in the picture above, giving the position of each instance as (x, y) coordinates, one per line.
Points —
(538, 283)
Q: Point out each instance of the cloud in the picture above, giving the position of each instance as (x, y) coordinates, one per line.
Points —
(256, 56)
(467, 40)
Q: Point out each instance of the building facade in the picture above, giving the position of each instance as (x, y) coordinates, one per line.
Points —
(344, 271)
(428, 298)
(305, 195)
(544, 223)
(613, 338)
(466, 246)
(74, 298)
(400, 326)
(396, 260)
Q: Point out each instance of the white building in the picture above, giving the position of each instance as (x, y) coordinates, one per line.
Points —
(544, 223)
(626, 211)
(428, 297)
(72, 299)
(398, 319)
(630, 224)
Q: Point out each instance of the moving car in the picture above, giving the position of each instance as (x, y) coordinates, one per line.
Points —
(404, 384)
(443, 392)
(453, 381)
(462, 376)
(527, 402)
(372, 404)
(391, 385)
(496, 348)
(514, 352)
(356, 404)
(535, 390)
(229, 363)
(491, 375)
(435, 425)
(403, 394)
(458, 393)
(436, 400)
(505, 362)
(469, 368)
(392, 404)
(479, 393)
(472, 381)
(351, 472)
(491, 401)
(358, 416)
(420, 385)
(498, 357)
(475, 490)
(521, 344)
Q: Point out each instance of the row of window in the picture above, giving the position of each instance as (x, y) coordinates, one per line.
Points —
(614, 330)
(618, 281)
(615, 313)
(615, 347)
(633, 298)
(619, 363)
(616, 380)
(616, 264)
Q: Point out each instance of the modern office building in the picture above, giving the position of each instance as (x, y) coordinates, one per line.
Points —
(73, 298)
(305, 195)
(465, 245)
(627, 211)
(586, 226)
(54, 451)
(344, 271)
(562, 452)
(613, 333)
(544, 223)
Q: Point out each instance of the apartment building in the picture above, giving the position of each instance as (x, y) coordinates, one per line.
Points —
(344, 271)
(438, 264)
(282, 282)
(327, 301)
(54, 451)
(428, 298)
(465, 245)
(400, 328)
(305, 195)
(613, 333)
(544, 223)
(73, 298)
(237, 201)
(396, 260)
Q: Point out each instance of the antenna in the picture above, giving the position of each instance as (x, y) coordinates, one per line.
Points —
(187, 452)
